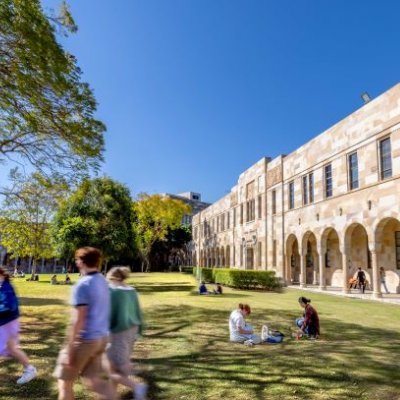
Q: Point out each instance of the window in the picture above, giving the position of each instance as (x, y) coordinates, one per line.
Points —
(195, 197)
(222, 222)
(241, 255)
(259, 254)
(241, 213)
(250, 210)
(291, 195)
(397, 241)
(234, 216)
(259, 206)
(274, 253)
(273, 194)
(328, 180)
(218, 223)
(353, 171)
(311, 187)
(385, 153)
(228, 220)
(305, 190)
(308, 188)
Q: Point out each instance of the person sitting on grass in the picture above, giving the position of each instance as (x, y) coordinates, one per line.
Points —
(67, 280)
(239, 330)
(9, 328)
(203, 288)
(309, 324)
(218, 288)
(53, 280)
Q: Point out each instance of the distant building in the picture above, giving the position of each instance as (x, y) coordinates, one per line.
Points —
(318, 214)
(194, 201)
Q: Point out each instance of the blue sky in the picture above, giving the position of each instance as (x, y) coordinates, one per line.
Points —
(193, 92)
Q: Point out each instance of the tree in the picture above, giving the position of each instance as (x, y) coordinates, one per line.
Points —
(98, 214)
(46, 110)
(27, 210)
(176, 245)
(155, 215)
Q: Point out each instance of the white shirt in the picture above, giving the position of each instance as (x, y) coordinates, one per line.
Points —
(236, 321)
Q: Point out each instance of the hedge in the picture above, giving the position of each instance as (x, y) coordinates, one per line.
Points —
(240, 278)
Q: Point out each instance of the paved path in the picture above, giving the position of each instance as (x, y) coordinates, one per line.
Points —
(386, 298)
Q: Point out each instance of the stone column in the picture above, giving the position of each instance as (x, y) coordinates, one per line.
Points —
(315, 268)
(345, 268)
(375, 275)
(321, 253)
(302, 270)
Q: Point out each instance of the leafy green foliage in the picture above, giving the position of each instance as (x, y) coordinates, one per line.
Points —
(156, 216)
(98, 214)
(240, 278)
(46, 110)
(27, 209)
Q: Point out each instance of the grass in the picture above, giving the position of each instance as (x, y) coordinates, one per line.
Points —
(185, 353)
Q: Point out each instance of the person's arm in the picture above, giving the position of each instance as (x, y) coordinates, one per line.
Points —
(241, 327)
(79, 316)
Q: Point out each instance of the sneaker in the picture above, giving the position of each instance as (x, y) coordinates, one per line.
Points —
(29, 373)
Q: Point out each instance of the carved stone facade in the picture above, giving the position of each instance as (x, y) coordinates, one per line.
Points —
(319, 213)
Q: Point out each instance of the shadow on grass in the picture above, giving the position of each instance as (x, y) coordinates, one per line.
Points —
(349, 362)
(146, 289)
(36, 301)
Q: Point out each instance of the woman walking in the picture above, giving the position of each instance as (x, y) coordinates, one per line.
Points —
(9, 328)
(125, 325)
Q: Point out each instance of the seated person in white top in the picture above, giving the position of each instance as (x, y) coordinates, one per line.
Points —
(239, 331)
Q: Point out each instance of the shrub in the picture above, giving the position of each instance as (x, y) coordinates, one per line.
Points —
(241, 279)
(188, 270)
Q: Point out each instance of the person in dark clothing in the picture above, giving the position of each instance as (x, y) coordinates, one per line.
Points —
(361, 279)
(309, 324)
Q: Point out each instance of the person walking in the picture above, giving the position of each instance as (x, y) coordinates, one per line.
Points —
(361, 279)
(9, 328)
(126, 323)
(382, 275)
(88, 333)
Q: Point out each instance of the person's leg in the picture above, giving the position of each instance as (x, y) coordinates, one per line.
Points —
(65, 390)
(385, 287)
(299, 322)
(102, 386)
(16, 352)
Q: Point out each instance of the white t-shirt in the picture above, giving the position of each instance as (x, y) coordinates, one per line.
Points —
(236, 321)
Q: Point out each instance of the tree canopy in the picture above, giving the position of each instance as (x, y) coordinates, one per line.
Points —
(26, 213)
(155, 216)
(98, 214)
(46, 110)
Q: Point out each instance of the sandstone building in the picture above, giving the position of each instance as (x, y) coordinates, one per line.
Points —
(317, 214)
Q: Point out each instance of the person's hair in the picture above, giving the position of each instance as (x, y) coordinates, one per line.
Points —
(304, 300)
(245, 307)
(118, 273)
(90, 256)
(5, 274)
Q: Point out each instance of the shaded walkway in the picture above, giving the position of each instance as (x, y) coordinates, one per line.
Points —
(393, 298)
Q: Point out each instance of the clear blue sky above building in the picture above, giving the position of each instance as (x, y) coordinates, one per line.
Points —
(193, 92)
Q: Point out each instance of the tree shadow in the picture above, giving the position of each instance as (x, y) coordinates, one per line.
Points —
(350, 361)
(37, 301)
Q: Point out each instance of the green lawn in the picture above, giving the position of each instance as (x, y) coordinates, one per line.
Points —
(185, 353)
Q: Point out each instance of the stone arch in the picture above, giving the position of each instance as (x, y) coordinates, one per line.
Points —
(356, 247)
(331, 258)
(387, 236)
(309, 253)
(292, 259)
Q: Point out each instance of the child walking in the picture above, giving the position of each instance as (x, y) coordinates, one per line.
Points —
(9, 328)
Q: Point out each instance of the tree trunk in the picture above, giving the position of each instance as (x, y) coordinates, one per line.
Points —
(33, 273)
